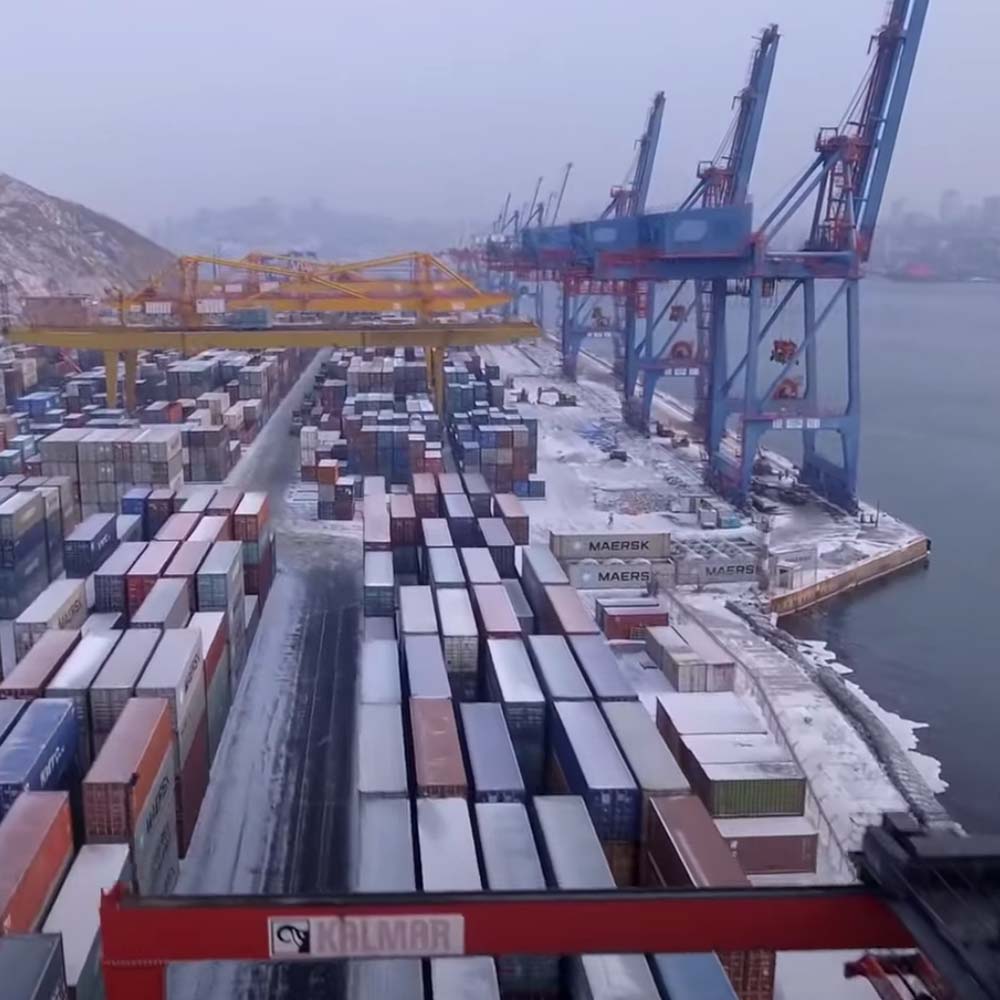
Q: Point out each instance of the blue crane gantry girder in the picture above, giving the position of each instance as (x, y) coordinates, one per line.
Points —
(712, 241)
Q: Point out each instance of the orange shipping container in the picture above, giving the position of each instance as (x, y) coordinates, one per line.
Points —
(36, 848)
(437, 755)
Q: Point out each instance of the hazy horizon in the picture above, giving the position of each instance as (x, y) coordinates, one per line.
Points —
(434, 112)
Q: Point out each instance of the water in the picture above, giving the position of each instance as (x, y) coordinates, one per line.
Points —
(926, 643)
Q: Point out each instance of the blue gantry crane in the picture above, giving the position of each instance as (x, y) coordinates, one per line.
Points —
(712, 242)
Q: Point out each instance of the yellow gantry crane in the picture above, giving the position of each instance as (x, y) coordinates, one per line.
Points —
(280, 300)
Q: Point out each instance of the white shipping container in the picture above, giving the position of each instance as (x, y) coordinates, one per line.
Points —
(210, 307)
(568, 546)
(611, 574)
(159, 308)
(62, 605)
(380, 757)
(447, 848)
(116, 682)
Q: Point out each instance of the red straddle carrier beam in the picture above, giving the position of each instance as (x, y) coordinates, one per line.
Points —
(140, 937)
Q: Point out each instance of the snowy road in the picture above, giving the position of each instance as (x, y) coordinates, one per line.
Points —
(277, 815)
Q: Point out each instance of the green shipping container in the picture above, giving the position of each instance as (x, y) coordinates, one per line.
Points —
(755, 789)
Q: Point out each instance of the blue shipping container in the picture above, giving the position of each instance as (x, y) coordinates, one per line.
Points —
(39, 753)
(10, 712)
(90, 543)
(692, 977)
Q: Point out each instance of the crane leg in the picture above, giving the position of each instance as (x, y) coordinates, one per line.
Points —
(131, 376)
(435, 376)
(111, 378)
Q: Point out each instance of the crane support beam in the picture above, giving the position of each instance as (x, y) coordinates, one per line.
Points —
(141, 936)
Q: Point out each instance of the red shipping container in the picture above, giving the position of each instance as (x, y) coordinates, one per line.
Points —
(39, 665)
(224, 503)
(569, 611)
(36, 848)
(184, 564)
(437, 754)
(510, 508)
(257, 578)
(403, 523)
(631, 623)
(191, 785)
(251, 517)
(145, 571)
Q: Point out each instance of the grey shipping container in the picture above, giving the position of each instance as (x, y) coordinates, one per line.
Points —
(493, 766)
(680, 715)
(497, 539)
(593, 768)
(73, 680)
(426, 674)
(116, 682)
(447, 848)
(436, 533)
(416, 611)
(479, 566)
(380, 757)
(539, 569)
(62, 605)
(444, 568)
(518, 601)
(464, 979)
(380, 627)
(494, 612)
(379, 672)
(75, 914)
(110, 593)
(512, 682)
(380, 585)
(10, 711)
(601, 668)
(557, 670)
(459, 634)
(31, 967)
(607, 544)
(567, 613)
(167, 605)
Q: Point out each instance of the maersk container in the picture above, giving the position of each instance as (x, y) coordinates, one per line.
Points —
(29, 678)
(479, 567)
(525, 616)
(129, 794)
(683, 976)
(493, 766)
(378, 672)
(10, 712)
(601, 668)
(557, 670)
(62, 605)
(87, 546)
(438, 768)
(511, 681)
(31, 966)
(36, 845)
(464, 978)
(379, 753)
(73, 681)
(40, 752)
(497, 539)
(447, 848)
(593, 768)
(567, 545)
(610, 574)
(75, 914)
(166, 606)
(435, 533)
(110, 581)
(459, 634)
(444, 570)
(115, 684)
(681, 715)
(426, 673)
(380, 585)
(416, 611)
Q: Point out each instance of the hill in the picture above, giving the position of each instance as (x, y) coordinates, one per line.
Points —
(49, 246)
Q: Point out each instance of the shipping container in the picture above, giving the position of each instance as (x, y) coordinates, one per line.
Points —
(699, 667)
(437, 753)
(212, 528)
(250, 520)
(376, 529)
(480, 569)
(494, 612)
(40, 752)
(479, 493)
(611, 574)
(62, 605)
(73, 680)
(31, 967)
(185, 564)
(116, 681)
(87, 546)
(145, 572)
(567, 545)
(378, 671)
(220, 580)
(775, 844)
(557, 670)
(166, 606)
(447, 848)
(682, 715)
(435, 533)
(518, 601)
(568, 615)
(177, 528)
(75, 914)
(111, 580)
(416, 611)
(611, 977)
(380, 586)
(32, 674)
(450, 483)
(459, 634)
(631, 623)
(425, 495)
(426, 673)
(444, 569)
(464, 979)
(218, 688)
(510, 508)
(492, 763)
(511, 682)
(36, 844)
(497, 539)
(683, 976)
(10, 712)
(540, 569)
(379, 755)
(758, 788)
(380, 628)
(601, 668)
(652, 764)
(128, 794)
(593, 768)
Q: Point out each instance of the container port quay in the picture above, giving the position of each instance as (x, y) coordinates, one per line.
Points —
(381, 645)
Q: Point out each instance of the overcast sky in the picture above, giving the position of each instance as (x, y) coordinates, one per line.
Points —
(437, 108)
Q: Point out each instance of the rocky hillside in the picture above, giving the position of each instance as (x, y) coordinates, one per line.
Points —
(49, 246)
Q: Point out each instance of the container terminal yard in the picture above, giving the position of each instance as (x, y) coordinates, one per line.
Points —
(362, 638)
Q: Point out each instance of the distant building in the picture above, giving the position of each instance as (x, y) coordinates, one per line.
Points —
(951, 211)
(991, 211)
